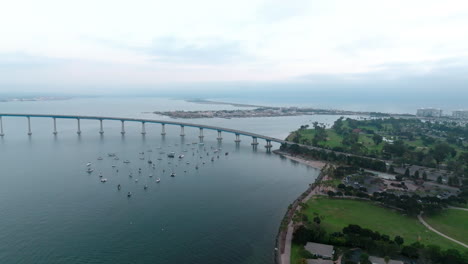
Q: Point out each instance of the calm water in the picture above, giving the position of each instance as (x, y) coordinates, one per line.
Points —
(227, 211)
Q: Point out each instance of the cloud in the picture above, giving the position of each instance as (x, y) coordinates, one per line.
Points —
(18, 61)
(211, 51)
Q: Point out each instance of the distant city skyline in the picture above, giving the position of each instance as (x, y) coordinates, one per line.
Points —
(64, 46)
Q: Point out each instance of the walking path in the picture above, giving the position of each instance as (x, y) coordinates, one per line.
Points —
(458, 208)
(420, 218)
(286, 256)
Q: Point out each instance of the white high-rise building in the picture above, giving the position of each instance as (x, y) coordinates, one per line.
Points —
(429, 112)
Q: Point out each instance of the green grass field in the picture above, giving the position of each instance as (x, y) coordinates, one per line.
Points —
(338, 213)
(451, 222)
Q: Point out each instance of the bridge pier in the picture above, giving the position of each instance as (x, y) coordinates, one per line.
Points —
(219, 138)
(237, 138)
(143, 130)
(268, 146)
(201, 135)
(254, 141)
(29, 126)
(123, 127)
(101, 130)
(55, 126)
(79, 126)
(1, 127)
(163, 129)
(182, 132)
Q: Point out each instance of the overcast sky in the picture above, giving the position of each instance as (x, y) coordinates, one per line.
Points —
(139, 42)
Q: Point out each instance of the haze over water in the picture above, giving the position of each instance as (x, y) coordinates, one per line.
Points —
(227, 211)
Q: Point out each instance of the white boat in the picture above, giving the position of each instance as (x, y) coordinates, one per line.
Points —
(145, 187)
(103, 180)
(181, 156)
(99, 158)
(129, 194)
(136, 180)
(89, 170)
(173, 174)
(111, 154)
(158, 180)
(126, 161)
(151, 175)
(100, 175)
(88, 164)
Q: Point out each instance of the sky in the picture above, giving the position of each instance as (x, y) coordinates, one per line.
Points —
(61, 45)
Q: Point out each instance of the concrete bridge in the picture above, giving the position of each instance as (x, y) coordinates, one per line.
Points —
(163, 123)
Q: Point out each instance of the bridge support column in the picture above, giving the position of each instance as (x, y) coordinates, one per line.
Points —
(268, 146)
(55, 126)
(219, 138)
(29, 126)
(1, 127)
(254, 141)
(201, 135)
(78, 131)
(123, 127)
(237, 138)
(143, 130)
(182, 132)
(163, 129)
(101, 130)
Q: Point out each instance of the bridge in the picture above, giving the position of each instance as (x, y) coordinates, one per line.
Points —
(163, 123)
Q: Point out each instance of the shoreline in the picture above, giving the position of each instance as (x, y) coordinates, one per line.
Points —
(317, 164)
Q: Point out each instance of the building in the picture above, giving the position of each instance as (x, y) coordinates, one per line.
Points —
(319, 261)
(320, 250)
(376, 260)
(429, 112)
(460, 114)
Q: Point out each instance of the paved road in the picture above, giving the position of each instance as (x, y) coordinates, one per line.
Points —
(420, 218)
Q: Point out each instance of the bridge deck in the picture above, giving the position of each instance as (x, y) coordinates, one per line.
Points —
(166, 122)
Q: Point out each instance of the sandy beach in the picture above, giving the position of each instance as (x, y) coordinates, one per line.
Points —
(312, 163)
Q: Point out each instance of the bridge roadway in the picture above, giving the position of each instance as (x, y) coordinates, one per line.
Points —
(143, 121)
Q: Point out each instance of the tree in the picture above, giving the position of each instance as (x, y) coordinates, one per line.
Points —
(439, 179)
(416, 174)
(387, 259)
(317, 220)
(399, 240)
(441, 151)
(377, 139)
(364, 259)
(407, 173)
(424, 176)
(391, 169)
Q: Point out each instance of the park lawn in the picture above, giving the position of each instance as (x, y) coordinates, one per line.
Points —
(338, 213)
(295, 257)
(451, 222)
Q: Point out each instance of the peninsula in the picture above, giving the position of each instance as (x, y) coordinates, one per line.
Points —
(266, 111)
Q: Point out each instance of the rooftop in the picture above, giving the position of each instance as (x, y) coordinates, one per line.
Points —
(319, 261)
(377, 260)
(319, 249)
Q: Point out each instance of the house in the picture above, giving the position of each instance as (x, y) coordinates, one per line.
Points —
(377, 260)
(320, 250)
(319, 261)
